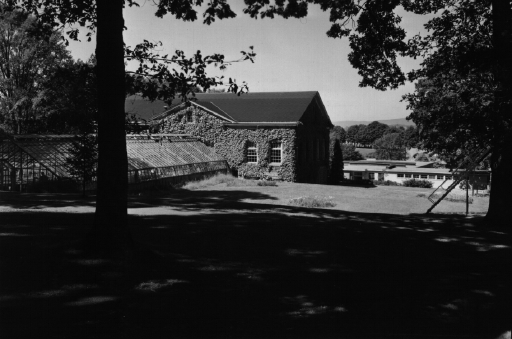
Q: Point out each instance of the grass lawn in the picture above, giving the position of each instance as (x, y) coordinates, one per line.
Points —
(379, 199)
(236, 262)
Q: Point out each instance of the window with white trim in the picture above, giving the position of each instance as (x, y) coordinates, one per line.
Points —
(440, 177)
(400, 175)
(424, 176)
(276, 151)
(415, 175)
(252, 152)
(431, 176)
(407, 175)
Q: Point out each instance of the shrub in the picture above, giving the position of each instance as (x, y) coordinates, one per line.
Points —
(227, 179)
(267, 183)
(312, 201)
(385, 183)
(417, 183)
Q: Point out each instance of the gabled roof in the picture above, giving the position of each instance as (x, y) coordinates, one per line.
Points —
(278, 107)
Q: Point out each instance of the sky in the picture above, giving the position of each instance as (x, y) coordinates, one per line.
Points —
(292, 55)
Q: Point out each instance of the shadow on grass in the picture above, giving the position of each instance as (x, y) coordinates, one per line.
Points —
(257, 271)
(182, 198)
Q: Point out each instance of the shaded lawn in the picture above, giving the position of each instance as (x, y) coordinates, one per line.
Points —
(219, 267)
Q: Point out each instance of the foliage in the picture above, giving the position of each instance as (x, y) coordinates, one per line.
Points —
(83, 158)
(390, 147)
(352, 132)
(227, 179)
(267, 183)
(30, 54)
(350, 153)
(68, 98)
(335, 159)
(312, 202)
(411, 137)
(385, 183)
(417, 183)
(338, 132)
(375, 130)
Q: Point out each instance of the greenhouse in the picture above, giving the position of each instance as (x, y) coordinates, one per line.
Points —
(26, 160)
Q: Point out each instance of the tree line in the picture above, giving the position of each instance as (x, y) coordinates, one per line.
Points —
(389, 142)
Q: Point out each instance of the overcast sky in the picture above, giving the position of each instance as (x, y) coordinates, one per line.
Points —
(292, 55)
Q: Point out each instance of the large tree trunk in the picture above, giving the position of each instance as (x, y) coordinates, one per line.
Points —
(110, 230)
(501, 160)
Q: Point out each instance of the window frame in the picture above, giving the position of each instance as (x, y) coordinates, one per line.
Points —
(272, 148)
(251, 145)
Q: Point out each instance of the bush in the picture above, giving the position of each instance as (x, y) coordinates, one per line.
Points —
(312, 201)
(227, 179)
(385, 183)
(418, 183)
(267, 183)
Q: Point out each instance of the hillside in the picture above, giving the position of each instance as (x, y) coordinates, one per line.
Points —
(399, 121)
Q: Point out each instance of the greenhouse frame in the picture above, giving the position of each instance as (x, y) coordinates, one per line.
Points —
(26, 160)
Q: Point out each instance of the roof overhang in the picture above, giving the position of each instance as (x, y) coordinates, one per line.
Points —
(262, 124)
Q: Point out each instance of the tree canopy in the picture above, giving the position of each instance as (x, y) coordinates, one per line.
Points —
(30, 53)
(390, 147)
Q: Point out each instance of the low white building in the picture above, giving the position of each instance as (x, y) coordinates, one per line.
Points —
(399, 171)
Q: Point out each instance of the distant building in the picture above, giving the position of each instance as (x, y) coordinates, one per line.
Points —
(282, 135)
(399, 171)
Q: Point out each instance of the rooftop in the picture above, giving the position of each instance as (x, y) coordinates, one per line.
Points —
(249, 107)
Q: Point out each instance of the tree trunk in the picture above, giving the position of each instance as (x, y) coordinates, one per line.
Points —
(110, 230)
(501, 159)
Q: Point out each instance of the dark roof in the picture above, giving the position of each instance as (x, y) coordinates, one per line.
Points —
(249, 107)
(261, 107)
(144, 109)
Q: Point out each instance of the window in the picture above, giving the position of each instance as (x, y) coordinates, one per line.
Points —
(407, 175)
(188, 117)
(275, 152)
(252, 154)
(400, 175)
(440, 177)
(371, 176)
(431, 176)
(424, 176)
(415, 175)
(448, 177)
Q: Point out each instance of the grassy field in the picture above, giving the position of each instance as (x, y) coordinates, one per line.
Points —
(379, 199)
(237, 262)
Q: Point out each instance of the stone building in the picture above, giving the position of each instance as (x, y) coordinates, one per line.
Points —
(281, 135)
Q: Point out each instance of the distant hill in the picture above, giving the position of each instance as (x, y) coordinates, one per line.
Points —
(390, 122)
